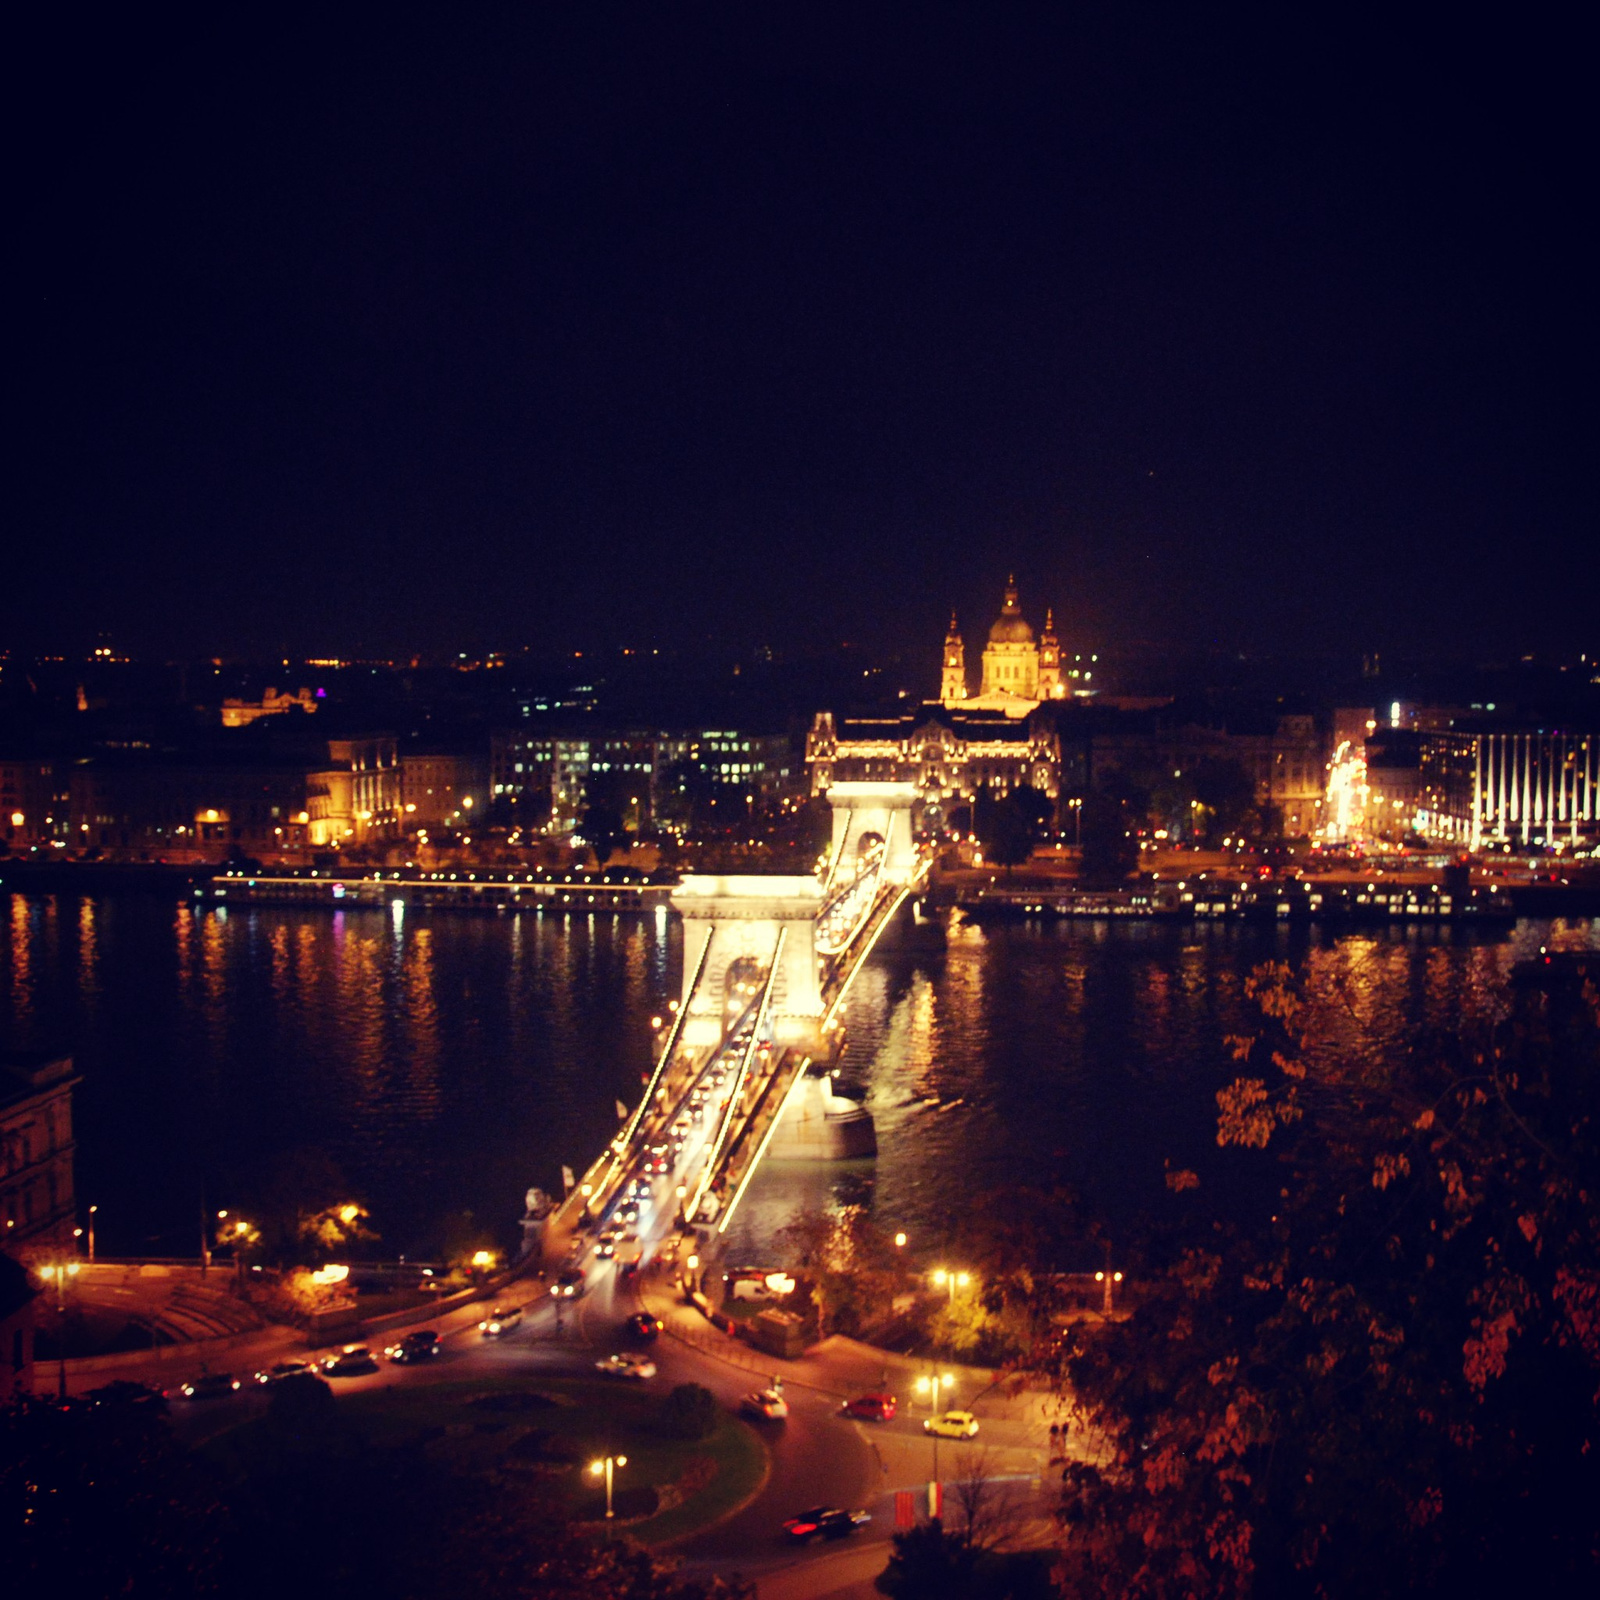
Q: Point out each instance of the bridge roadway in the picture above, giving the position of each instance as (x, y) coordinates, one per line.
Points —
(709, 1112)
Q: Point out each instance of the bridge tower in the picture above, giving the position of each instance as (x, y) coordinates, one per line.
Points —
(867, 812)
(734, 921)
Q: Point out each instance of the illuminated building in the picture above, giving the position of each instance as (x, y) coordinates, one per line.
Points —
(948, 752)
(553, 770)
(1517, 787)
(28, 805)
(138, 806)
(37, 1206)
(441, 788)
(1018, 671)
(240, 713)
(356, 797)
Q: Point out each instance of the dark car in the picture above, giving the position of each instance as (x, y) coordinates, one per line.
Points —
(124, 1392)
(871, 1407)
(824, 1522)
(642, 1325)
(212, 1386)
(351, 1362)
(418, 1345)
(570, 1285)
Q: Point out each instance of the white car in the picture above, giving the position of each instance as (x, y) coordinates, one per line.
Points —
(501, 1320)
(766, 1403)
(625, 1366)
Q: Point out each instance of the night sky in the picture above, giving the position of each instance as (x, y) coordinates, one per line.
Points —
(597, 325)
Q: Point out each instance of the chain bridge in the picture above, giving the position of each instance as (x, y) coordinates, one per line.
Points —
(767, 963)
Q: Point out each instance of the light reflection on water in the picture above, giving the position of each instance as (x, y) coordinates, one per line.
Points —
(447, 1062)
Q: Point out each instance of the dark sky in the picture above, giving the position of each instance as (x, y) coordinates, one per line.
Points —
(606, 324)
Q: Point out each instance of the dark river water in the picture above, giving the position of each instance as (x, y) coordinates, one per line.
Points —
(447, 1061)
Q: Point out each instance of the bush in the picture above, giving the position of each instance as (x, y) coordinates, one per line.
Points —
(689, 1412)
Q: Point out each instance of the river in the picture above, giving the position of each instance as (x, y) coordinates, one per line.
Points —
(446, 1061)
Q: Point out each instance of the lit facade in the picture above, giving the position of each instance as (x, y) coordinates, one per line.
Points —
(28, 804)
(1018, 670)
(241, 713)
(442, 789)
(356, 797)
(1530, 787)
(949, 753)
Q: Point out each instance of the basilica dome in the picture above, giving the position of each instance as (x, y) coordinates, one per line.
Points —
(1011, 627)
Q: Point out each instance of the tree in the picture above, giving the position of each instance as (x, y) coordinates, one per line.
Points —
(603, 832)
(1389, 1384)
(1226, 797)
(1007, 827)
(100, 1499)
(689, 1412)
(302, 1211)
(852, 1270)
(1110, 851)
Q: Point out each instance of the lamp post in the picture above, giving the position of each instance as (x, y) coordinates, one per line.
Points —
(606, 1466)
(1107, 1278)
(930, 1385)
(92, 1210)
(951, 1280)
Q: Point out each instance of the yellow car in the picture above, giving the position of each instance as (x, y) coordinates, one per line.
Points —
(952, 1425)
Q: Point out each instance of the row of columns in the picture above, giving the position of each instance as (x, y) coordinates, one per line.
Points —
(1535, 785)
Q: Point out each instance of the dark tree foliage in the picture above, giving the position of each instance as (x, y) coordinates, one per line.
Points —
(689, 1412)
(930, 1562)
(1007, 828)
(1226, 797)
(1110, 850)
(603, 832)
(99, 1499)
(1390, 1385)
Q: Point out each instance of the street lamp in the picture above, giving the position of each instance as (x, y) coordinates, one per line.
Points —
(1107, 1278)
(899, 1241)
(951, 1280)
(606, 1466)
(92, 1210)
(930, 1385)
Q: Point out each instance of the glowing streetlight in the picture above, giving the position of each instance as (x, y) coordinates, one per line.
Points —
(1108, 1279)
(951, 1280)
(606, 1466)
(932, 1385)
(899, 1241)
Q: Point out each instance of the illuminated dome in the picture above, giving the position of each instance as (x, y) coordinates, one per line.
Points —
(1011, 627)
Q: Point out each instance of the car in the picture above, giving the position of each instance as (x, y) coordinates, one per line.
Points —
(500, 1320)
(351, 1362)
(570, 1285)
(623, 1366)
(125, 1392)
(768, 1404)
(824, 1522)
(210, 1386)
(643, 1325)
(606, 1246)
(418, 1345)
(952, 1425)
(871, 1407)
(286, 1369)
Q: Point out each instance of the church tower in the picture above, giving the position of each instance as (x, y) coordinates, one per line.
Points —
(1011, 658)
(1051, 686)
(953, 682)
